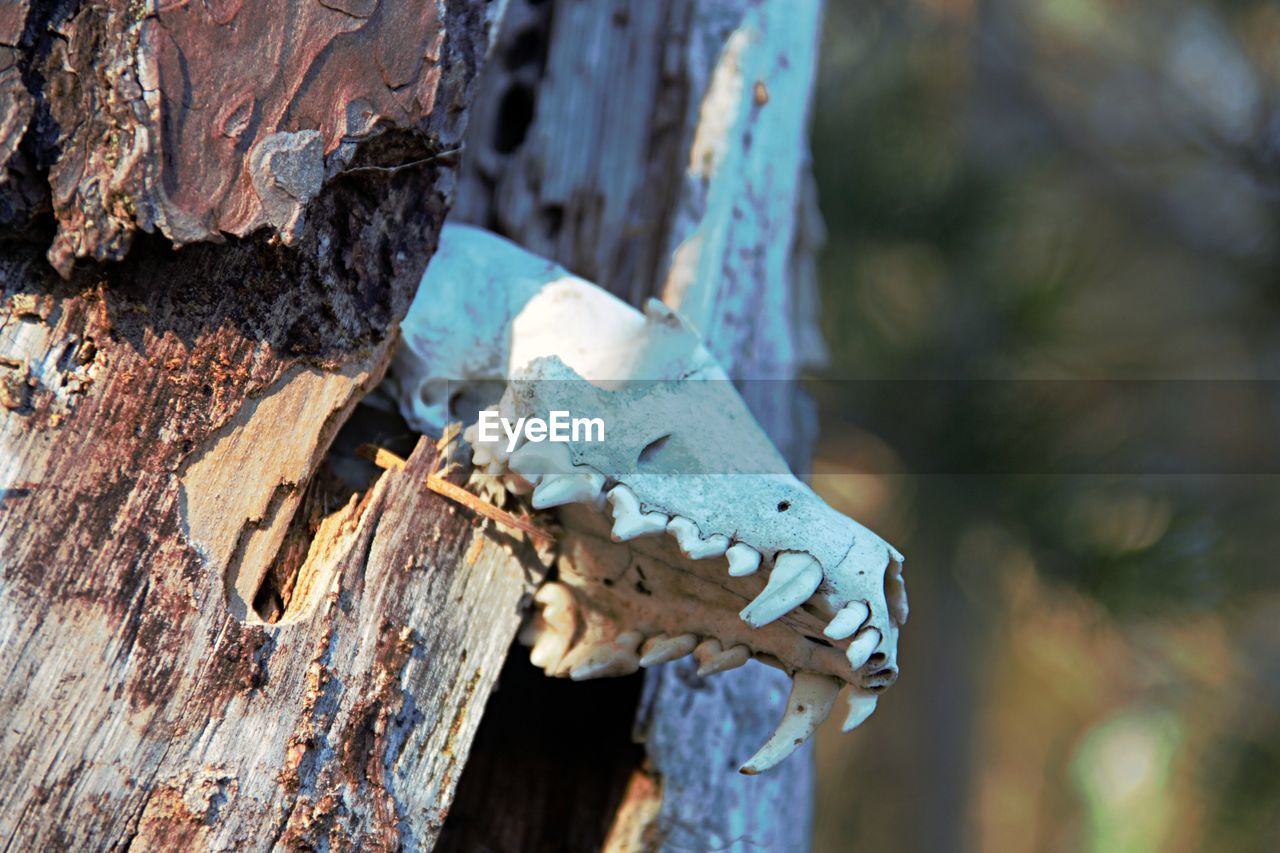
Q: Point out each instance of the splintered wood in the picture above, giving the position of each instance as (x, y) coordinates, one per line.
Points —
(387, 460)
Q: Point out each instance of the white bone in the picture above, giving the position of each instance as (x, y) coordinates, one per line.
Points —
(628, 521)
(691, 542)
(539, 458)
(680, 446)
(794, 578)
(895, 591)
(812, 696)
(743, 560)
(560, 489)
(861, 705)
(862, 648)
(848, 620)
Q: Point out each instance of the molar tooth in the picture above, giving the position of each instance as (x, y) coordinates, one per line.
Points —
(861, 705)
(743, 560)
(535, 459)
(628, 521)
(551, 629)
(794, 578)
(848, 620)
(663, 649)
(722, 661)
(714, 545)
(862, 647)
(812, 696)
(557, 489)
(547, 651)
(690, 540)
(614, 657)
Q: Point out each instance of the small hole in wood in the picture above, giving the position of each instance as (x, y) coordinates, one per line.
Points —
(515, 114)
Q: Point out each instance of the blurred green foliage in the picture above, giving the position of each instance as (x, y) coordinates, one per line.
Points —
(1053, 198)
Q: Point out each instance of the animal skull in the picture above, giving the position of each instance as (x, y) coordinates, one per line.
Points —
(670, 520)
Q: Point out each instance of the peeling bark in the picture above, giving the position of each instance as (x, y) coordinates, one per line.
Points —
(163, 416)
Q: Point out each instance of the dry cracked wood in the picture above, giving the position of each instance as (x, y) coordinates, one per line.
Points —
(162, 417)
(347, 723)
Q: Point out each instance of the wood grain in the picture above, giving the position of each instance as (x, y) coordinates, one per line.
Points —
(162, 422)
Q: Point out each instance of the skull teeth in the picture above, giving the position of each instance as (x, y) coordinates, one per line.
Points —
(794, 578)
(691, 543)
(628, 521)
(812, 696)
(850, 618)
(862, 648)
(664, 649)
(535, 460)
(861, 705)
(743, 560)
(614, 657)
(560, 489)
(712, 657)
(552, 628)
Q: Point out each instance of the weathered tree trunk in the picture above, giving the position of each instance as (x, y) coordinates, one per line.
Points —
(661, 149)
(165, 409)
(207, 637)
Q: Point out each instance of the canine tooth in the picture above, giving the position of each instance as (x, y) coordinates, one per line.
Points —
(722, 661)
(628, 521)
(663, 649)
(541, 458)
(615, 657)
(861, 706)
(794, 578)
(497, 468)
(848, 620)
(743, 560)
(557, 489)
(862, 647)
(812, 696)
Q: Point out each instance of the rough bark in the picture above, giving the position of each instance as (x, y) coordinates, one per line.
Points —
(661, 150)
(195, 643)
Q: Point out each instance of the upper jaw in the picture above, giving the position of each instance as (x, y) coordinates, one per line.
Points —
(657, 564)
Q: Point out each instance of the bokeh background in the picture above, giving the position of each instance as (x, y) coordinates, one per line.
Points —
(1051, 291)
